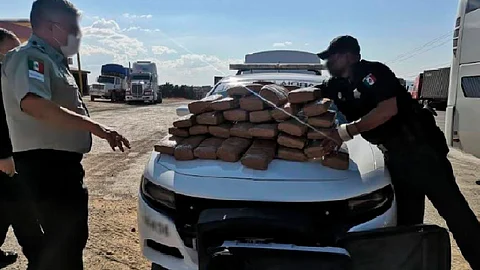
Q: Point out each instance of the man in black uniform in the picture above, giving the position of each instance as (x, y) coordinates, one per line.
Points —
(380, 109)
(8, 41)
(13, 193)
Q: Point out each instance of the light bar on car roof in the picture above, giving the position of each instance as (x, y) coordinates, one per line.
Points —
(268, 66)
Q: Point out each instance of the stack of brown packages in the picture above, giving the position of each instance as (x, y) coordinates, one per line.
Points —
(254, 124)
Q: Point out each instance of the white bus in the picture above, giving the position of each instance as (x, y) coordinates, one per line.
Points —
(462, 118)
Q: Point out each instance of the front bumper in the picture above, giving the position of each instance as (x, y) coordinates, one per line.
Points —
(142, 98)
(162, 243)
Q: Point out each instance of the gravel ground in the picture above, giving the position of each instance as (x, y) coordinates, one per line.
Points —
(113, 179)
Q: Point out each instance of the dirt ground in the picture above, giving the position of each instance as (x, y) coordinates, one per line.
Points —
(113, 180)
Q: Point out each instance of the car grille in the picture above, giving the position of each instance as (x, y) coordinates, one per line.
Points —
(327, 216)
(137, 90)
(98, 86)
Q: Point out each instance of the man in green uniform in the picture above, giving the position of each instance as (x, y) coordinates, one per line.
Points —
(51, 130)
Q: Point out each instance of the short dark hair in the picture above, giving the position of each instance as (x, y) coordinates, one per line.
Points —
(47, 9)
(6, 34)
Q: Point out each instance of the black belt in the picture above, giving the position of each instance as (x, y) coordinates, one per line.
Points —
(50, 154)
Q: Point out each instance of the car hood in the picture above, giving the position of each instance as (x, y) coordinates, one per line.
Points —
(363, 160)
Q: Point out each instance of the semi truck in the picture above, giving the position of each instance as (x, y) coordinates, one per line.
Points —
(111, 84)
(431, 88)
(144, 83)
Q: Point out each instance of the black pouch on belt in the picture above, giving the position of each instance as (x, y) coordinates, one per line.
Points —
(425, 128)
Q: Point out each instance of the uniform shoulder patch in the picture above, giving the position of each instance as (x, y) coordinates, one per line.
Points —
(36, 69)
(369, 80)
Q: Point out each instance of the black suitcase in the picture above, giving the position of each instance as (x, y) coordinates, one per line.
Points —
(225, 242)
(422, 247)
(254, 257)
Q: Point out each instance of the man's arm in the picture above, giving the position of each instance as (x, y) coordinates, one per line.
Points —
(51, 113)
(376, 117)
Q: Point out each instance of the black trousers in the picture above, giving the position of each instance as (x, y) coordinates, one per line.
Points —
(420, 169)
(55, 180)
(16, 209)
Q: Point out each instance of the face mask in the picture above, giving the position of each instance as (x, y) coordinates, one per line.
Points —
(73, 44)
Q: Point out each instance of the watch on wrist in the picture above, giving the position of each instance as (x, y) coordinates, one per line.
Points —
(343, 133)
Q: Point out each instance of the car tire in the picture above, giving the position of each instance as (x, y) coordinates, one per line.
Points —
(92, 98)
(160, 101)
(158, 267)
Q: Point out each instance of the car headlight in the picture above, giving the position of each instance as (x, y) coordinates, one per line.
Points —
(158, 194)
(372, 201)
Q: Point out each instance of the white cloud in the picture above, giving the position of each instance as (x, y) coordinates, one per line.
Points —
(307, 44)
(133, 16)
(162, 50)
(282, 44)
(107, 34)
(106, 42)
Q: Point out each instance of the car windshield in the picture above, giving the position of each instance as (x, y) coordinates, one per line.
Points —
(221, 89)
(105, 79)
(141, 77)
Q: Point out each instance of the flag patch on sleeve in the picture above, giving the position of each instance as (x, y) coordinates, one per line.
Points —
(369, 80)
(36, 70)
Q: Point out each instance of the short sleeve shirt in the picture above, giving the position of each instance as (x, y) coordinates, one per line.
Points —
(372, 83)
(37, 68)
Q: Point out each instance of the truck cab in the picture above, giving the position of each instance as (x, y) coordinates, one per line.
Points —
(111, 84)
(143, 84)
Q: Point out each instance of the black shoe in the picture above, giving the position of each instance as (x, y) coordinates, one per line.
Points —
(7, 258)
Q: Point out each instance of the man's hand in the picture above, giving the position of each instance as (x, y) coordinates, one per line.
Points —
(112, 137)
(332, 141)
(7, 166)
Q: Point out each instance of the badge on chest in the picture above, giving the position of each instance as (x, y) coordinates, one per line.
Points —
(369, 80)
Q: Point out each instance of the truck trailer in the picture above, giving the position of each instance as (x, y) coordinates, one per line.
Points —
(431, 88)
(111, 84)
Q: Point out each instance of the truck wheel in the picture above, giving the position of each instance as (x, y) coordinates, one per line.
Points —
(160, 101)
(158, 267)
(92, 98)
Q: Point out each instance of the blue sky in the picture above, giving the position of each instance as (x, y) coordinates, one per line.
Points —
(192, 41)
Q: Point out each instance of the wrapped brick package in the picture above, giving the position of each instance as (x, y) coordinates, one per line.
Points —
(337, 160)
(185, 122)
(203, 105)
(325, 120)
(260, 154)
(167, 144)
(291, 109)
(317, 107)
(237, 115)
(180, 132)
(224, 104)
(260, 116)
(314, 149)
(291, 88)
(291, 154)
(304, 95)
(210, 118)
(221, 131)
(320, 134)
(184, 150)
(241, 91)
(291, 141)
(242, 130)
(252, 103)
(293, 127)
(232, 149)
(274, 93)
(198, 130)
(264, 131)
(208, 148)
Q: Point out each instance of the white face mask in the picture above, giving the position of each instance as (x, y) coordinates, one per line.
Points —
(72, 47)
(73, 44)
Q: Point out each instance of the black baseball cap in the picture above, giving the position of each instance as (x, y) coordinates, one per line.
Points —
(341, 44)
